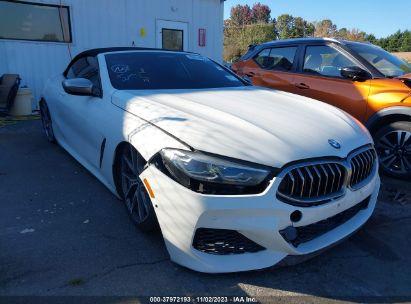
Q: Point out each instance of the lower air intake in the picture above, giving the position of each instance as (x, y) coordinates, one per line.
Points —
(307, 233)
(223, 242)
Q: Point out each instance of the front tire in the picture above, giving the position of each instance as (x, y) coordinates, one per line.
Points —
(393, 145)
(133, 191)
(46, 121)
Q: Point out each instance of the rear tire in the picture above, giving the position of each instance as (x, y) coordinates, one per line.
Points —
(393, 145)
(132, 189)
(46, 121)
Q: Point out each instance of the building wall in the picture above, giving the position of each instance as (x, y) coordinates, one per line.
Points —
(107, 23)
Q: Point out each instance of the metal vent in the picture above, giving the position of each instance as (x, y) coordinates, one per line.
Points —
(313, 183)
(223, 242)
(362, 165)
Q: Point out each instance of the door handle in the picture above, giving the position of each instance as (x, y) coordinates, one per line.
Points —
(302, 85)
(250, 74)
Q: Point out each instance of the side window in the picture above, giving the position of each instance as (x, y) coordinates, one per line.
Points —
(90, 71)
(86, 67)
(261, 57)
(280, 58)
(76, 68)
(325, 60)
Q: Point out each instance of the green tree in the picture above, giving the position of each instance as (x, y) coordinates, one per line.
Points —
(370, 38)
(325, 28)
(394, 42)
(284, 26)
(309, 29)
(254, 26)
(342, 33)
(301, 28)
(237, 39)
(383, 42)
(406, 42)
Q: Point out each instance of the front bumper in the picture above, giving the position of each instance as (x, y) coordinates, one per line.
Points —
(259, 217)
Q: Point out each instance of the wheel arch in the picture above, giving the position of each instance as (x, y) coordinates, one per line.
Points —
(147, 141)
(387, 116)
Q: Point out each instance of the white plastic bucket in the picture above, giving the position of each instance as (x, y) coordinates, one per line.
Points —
(22, 103)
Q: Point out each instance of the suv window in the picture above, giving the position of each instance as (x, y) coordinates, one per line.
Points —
(260, 58)
(280, 58)
(386, 63)
(325, 60)
(86, 67)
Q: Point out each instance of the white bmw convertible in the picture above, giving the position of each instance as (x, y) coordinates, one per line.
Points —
(237, 177)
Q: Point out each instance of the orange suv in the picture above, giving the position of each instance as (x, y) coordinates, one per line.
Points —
(360, 78)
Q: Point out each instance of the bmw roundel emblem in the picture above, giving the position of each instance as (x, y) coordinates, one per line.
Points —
(333, 143)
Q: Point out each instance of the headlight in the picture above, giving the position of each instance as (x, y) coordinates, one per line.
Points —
(211, 174)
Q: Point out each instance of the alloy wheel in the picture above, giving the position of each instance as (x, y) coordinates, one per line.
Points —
(46, 121)
(134, 193)
(394, 150)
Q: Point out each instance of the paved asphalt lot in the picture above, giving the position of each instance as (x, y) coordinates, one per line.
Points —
(63, 233)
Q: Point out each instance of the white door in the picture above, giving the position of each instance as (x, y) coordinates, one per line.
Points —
(172, 35)
(78, 114)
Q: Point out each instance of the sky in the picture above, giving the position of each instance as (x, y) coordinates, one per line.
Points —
(380, 17)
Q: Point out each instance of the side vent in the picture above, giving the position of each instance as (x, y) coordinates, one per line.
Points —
(102, 147)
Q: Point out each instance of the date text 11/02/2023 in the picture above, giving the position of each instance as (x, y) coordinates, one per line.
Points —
(203, 299)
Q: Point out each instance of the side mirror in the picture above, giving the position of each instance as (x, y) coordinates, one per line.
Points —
(355, 73)
(81, 87)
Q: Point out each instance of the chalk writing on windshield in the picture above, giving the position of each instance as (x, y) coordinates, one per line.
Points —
(120, 68)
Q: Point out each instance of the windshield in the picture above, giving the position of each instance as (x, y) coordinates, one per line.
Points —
(386, 63)
(165, 70)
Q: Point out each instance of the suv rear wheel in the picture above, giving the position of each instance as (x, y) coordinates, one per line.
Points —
(393, 144)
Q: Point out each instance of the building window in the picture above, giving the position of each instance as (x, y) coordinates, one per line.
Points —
(172, 39)
(34, 21)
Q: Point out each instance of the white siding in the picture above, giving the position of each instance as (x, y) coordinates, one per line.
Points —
(107, 23)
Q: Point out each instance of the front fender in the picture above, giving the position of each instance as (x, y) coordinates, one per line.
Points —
(378, 116)
(148, 140)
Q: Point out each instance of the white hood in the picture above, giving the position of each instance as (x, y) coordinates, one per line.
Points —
(249, 123)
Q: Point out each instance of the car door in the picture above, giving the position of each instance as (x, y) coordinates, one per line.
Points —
(319, 77)
(80, 114)
(273, 68)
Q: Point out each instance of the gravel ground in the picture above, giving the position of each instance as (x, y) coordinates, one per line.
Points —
(62, 233)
